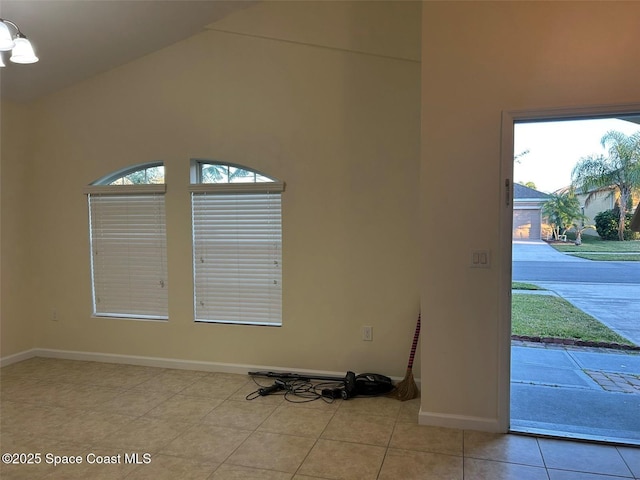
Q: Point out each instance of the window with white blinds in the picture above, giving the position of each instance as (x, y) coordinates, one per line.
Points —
(128, 251)
(237, 251)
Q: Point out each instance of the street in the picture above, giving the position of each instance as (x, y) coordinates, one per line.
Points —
(608, 291)
(585, 271)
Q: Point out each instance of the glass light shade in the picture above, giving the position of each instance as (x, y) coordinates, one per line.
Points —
(6, 40)
(23, 52)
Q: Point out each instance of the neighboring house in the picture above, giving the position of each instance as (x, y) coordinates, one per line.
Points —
(599, 202)
(527, 213)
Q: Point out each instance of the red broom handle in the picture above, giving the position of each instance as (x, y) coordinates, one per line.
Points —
(414, 345)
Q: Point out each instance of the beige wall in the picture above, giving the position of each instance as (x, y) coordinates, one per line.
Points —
(16, 321)
(340, 127)
(478, 59)
(601, 202)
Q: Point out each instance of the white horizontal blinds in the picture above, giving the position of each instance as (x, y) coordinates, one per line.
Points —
(128, 254)
(237, 260)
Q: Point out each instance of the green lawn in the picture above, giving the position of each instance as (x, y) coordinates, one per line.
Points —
(525, 286)
(594, 248)
(550, 316)
(609, 257)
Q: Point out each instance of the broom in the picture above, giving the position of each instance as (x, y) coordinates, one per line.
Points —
(407, 389)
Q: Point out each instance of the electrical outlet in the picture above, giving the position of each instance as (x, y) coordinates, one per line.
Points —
(367, 334)
(54, 314)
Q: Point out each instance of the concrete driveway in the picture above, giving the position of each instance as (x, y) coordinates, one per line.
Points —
(539, 251)
(617, 305)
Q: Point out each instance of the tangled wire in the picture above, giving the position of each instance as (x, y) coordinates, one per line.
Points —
(299, 391)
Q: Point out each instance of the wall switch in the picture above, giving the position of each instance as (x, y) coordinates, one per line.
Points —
(367, 334)
(480, 259)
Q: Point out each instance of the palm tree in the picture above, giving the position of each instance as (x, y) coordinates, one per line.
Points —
(563, 212)
(580, 227)
(218, 173)
(619, 170)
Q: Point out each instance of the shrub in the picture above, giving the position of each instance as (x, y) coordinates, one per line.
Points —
(607, 225)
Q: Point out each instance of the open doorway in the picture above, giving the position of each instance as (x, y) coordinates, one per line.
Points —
(575, 363)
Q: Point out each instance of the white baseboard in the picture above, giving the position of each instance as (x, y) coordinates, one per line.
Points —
(241, 369)
(144, 361)
(17, 357)
(461, 422)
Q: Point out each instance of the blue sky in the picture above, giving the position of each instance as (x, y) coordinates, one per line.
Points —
(555, 147)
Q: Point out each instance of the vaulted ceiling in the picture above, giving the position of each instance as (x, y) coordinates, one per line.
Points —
(76, 39)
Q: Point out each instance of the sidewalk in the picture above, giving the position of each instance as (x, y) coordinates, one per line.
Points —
(614, 304)
(582, 392)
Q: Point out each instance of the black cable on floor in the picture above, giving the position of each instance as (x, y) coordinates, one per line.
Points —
(297, 391)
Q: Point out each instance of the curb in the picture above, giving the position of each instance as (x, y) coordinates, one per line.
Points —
(574, 342)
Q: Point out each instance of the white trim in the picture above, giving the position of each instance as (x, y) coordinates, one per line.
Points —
(573, 113)
(123, 172)
(461, 422)
(159, 362)
(504, 273)
(259, 187)
(197, 165)
(509, 118)
(124, 189)
(18, 357)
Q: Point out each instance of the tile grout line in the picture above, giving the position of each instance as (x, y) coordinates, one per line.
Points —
(388, 446)
(333, 413)
(463, 453)
(223, 462)
(544, 461)
(317, 439)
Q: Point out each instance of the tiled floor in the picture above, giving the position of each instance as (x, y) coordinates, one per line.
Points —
(197, 425)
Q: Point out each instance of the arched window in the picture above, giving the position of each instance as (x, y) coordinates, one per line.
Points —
(237, 244)
(221, 173)
(128, 243)
(146, 174)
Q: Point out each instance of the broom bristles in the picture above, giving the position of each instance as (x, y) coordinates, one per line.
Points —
(406, 389)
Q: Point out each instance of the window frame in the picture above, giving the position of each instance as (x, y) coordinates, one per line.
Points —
(124, 172)
(272, 189)
(150, 191)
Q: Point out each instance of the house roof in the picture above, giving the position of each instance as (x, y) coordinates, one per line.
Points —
(521, 192)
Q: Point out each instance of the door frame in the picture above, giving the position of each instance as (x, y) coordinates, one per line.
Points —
(509, 119)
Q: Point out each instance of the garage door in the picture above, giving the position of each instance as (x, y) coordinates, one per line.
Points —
(526, 224)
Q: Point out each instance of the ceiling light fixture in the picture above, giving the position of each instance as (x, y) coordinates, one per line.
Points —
(20, 46)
